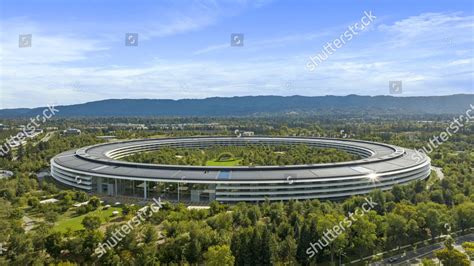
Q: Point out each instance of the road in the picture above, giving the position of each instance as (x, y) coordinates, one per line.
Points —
(412, 256)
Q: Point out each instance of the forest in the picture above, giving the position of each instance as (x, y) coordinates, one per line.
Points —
(243, 156)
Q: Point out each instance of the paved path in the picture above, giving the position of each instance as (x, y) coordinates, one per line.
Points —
(28, 223)
(45, 138)
(438, 171)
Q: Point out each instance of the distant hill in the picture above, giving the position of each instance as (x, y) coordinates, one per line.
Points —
(261, 105)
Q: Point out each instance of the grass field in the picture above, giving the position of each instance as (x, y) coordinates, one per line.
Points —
(69, 220)
(234, 162)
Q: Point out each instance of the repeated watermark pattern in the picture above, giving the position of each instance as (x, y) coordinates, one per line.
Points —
(449, 41)
(184, 87)
(331, 234)
(25, 40)
(77, 86)
(343, 134)
(395, 86)
(28, 130)
(453, 128)
(348, 35)
(125, 229)
(447, 226)
(288, 84)
(237, 39)
(131, 39)
(290, 178)
(78, 179)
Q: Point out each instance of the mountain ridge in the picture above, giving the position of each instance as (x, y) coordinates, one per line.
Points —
(257, 105)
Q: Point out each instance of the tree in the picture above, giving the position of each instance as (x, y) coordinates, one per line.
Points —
(396, 231)
(219, 256)
(452, 257)
(94, 202)
(363, 236)
(266, 254)
(437, 196)
(433, 222)
(216, 207)
(149, 235)
(379, 197)
(336, 241)
(193, 251)
(33, 202)
(147, 256)
(67, 200)
(464, 215)
(286, 250)
(91, 222)
(53, 244)
(428, 262)
(128, 210)
(20, 249)
(469, 248)
(51, 216)
(303, 244)
(398, 193)
(90, 241)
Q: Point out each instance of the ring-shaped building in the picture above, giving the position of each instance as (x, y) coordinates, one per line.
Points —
(97, 169)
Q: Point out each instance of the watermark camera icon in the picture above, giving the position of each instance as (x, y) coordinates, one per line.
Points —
(343, 134)
(131, 39)
(395, 86)
(25, 40)
(290, 178)
(237, 39)
(184, 86)
(447, 227)
(449, 41)
(77, 86)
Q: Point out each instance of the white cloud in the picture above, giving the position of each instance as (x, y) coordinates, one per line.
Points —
(264, 44)
(430, 29)
(61, 69)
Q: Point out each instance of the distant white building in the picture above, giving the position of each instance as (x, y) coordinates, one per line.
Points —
(5, 174)
(129, 126)
(72, 131)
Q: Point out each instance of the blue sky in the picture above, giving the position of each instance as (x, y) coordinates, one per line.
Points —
(78, 51)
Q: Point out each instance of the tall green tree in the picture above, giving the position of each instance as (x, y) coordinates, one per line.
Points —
(219, 256)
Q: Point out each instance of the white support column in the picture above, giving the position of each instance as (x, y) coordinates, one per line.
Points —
(145, 190)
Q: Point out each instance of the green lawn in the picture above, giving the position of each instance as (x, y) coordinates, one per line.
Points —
(224, 163)
(69, 220)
